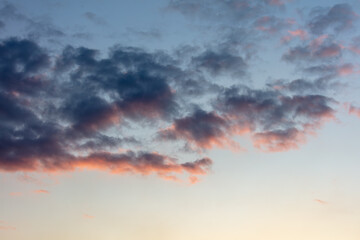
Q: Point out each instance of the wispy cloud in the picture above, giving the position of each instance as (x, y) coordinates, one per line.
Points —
(87, 216)
(41, 191)
(321, 201)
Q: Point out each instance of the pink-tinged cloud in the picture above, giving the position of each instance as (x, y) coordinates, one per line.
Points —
(353, 49)
(354, 110)
(313, 108)
(193, 180)
(202, 130)
(332, 50)
(276, 122)
(279, 141)
(271, 24)
(346, 69)
(317, 42)
(15, 194)
(287, 139)
(87, 216)
(313, 52)
(299, 33)
(28, 179)
(286, 39)
(5, 226)
(123, 163)
(320, 201)
(41, 191)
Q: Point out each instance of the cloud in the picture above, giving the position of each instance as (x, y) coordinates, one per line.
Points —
(5, 226)
(320, 201)
(136, 80)
(240, 10)
(321, 84)
(271, 24)
(73, 109)
(305, 53)
(220, 62)
(87, 216)
(150, 34)
(95, 18)
(338, 18)
(41, 191)
(354, 110)
(15, 194)
(276, 122)
(300, 33)
(332, 70)
(201, 129)
(20, 66)
(35, 28)
(59, 121)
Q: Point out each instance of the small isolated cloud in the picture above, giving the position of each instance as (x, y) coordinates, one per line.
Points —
(320, 201)
(87, 216)
(15, 194)
(149, 34)
(42, 191)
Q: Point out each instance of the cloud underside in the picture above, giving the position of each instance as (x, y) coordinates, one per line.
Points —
(73, 110)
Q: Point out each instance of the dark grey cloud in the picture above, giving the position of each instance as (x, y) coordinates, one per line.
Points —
(220, 62)
(21, 65)
(83, 97)
(71, 109)
(305, 86)
(276, 121)
(136, 82)
(201, 129)
(338, 18)
(304, 53)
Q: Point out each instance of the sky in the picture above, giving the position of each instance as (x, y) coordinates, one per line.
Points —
(179, 119)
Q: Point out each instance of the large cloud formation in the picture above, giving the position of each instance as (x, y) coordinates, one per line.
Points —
(82, 109)
(56, 122)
